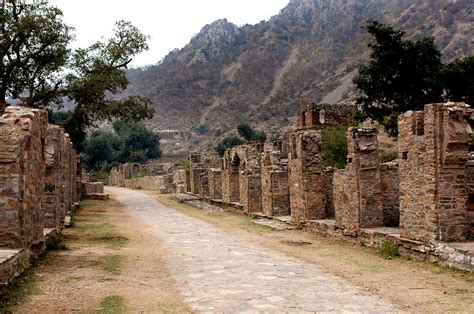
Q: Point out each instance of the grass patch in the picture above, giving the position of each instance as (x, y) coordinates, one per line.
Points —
(91, 230)
(23, 286)
(388, 249)
(72, 279)
(111, 264)
(112, 304)
(55, 242)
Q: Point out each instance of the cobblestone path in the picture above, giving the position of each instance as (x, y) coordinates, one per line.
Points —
(219, 272)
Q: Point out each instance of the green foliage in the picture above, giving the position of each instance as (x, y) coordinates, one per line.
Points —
(245, 131)
(112, 304)
(388, 249)
(334, 148)
(128, 143)
(388, 156)
(40, 71)
(55, 242)
(401, 75)
(33, 50)
(202, 129)
(182, 164)
(229, 142)
(458, 80)
(404, 75)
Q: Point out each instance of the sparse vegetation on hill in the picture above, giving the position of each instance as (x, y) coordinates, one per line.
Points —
(247, 135)
(258, 74)
(405, 74)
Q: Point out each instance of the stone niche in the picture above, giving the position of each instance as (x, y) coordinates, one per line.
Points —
(275, 191)
(433, 150)
(322, 116)
(306, 176)
(358, 188)
(241, 177)
(22, 137)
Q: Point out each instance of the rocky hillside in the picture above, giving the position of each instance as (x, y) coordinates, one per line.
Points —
(258, 73)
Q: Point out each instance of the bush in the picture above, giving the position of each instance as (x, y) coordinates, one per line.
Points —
(389, 156)
(55, 242)
(388, 249)
(334, 148)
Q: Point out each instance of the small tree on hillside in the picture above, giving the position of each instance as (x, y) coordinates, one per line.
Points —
(401, 75)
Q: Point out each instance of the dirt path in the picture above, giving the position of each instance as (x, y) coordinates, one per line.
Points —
(218, 271)
(114, 264)
(149, 253)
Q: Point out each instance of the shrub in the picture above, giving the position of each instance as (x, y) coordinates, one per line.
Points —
(389, 156)
(55, 242)
(334, 148)
(388, 249)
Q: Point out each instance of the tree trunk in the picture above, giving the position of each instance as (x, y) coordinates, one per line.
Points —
(3, 105)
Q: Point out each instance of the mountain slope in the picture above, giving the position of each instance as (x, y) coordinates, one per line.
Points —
(259, 73)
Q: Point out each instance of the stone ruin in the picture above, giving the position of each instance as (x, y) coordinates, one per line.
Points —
(421, 200)
(152, 176)
(40, 177)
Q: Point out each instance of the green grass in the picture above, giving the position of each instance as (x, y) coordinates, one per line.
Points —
(112, 304)
(55, 242)
(388, 249)
(23, 286)
(111, 264)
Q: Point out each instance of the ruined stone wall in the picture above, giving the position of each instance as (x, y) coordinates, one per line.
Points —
(53, 210)
(433, 146)
(204, 185)
(322, 116)
(89, 188)
(164, 184)
(346, 201)
(275, 192)
(231, 177)
(35, 185)
(305, 176)
(328, 177)
(359, 197)
(470, 189)
(22, 133)
(390, 193)
(215, 183)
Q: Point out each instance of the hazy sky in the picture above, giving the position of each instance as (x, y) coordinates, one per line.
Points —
(170, 23)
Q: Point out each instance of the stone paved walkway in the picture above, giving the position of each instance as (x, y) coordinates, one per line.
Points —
(219, 272)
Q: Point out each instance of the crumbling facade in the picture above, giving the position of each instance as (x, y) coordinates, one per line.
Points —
(38, 177)
(306, 176)
(275, 190)
(359, 202)
(433, 149)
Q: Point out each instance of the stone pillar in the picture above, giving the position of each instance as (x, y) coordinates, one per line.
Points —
(215, 184)
(204, 185)
(433, 146)
(275, 192)
(359, 202)
(22, 135)
(305, 176)
(51, 207)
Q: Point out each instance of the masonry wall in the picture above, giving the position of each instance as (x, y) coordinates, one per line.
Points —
(204, 185)
(433, 145)
(215, 183)
(275, 191)
(390, 180)
(470, 189)
(305, 176)
(358, 188)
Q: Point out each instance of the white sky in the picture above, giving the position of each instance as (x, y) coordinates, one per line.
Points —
(170, 23)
